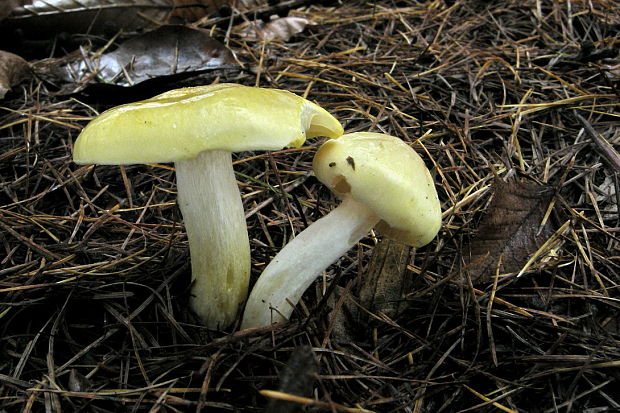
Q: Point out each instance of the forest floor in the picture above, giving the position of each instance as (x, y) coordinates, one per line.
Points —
(514, 306)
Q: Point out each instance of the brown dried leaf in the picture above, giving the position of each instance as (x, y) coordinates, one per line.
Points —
(380, 290)
(78, 382)
(384, 285)
(7, 6)
(98, 16)
(510, 230)
(193, 10)
(13, 70)
(166, 51)
(277, 29)
(297, 378)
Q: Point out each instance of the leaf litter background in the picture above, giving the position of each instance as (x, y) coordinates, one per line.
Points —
(504, 100)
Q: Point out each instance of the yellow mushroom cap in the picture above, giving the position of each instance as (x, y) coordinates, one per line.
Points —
(389, 177)
(181, 123)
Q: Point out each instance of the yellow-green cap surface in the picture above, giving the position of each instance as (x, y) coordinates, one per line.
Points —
(388, 176)
(181, 123)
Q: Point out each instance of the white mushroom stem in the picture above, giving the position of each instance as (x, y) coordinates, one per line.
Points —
(303, 259)
(214, 219)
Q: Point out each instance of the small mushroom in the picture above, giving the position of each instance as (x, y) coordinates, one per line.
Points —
(197, 128)
(383, 183)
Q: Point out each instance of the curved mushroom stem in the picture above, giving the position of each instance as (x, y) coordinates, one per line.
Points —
(298, 264)
(213, 213)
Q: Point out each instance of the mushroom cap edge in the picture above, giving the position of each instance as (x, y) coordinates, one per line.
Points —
(181, 123)
(388, 176)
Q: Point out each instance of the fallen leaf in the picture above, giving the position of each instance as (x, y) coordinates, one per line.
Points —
(386, 282)
(379, 290)
(297, 378)
(7, 6)
(78, 382)
(193, 10)
(166, 51)
(43, 17)
(13, 70)
(510, 230)
(277, 29)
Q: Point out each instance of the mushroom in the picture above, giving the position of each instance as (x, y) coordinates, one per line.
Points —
(383, 183)
(197, 128)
